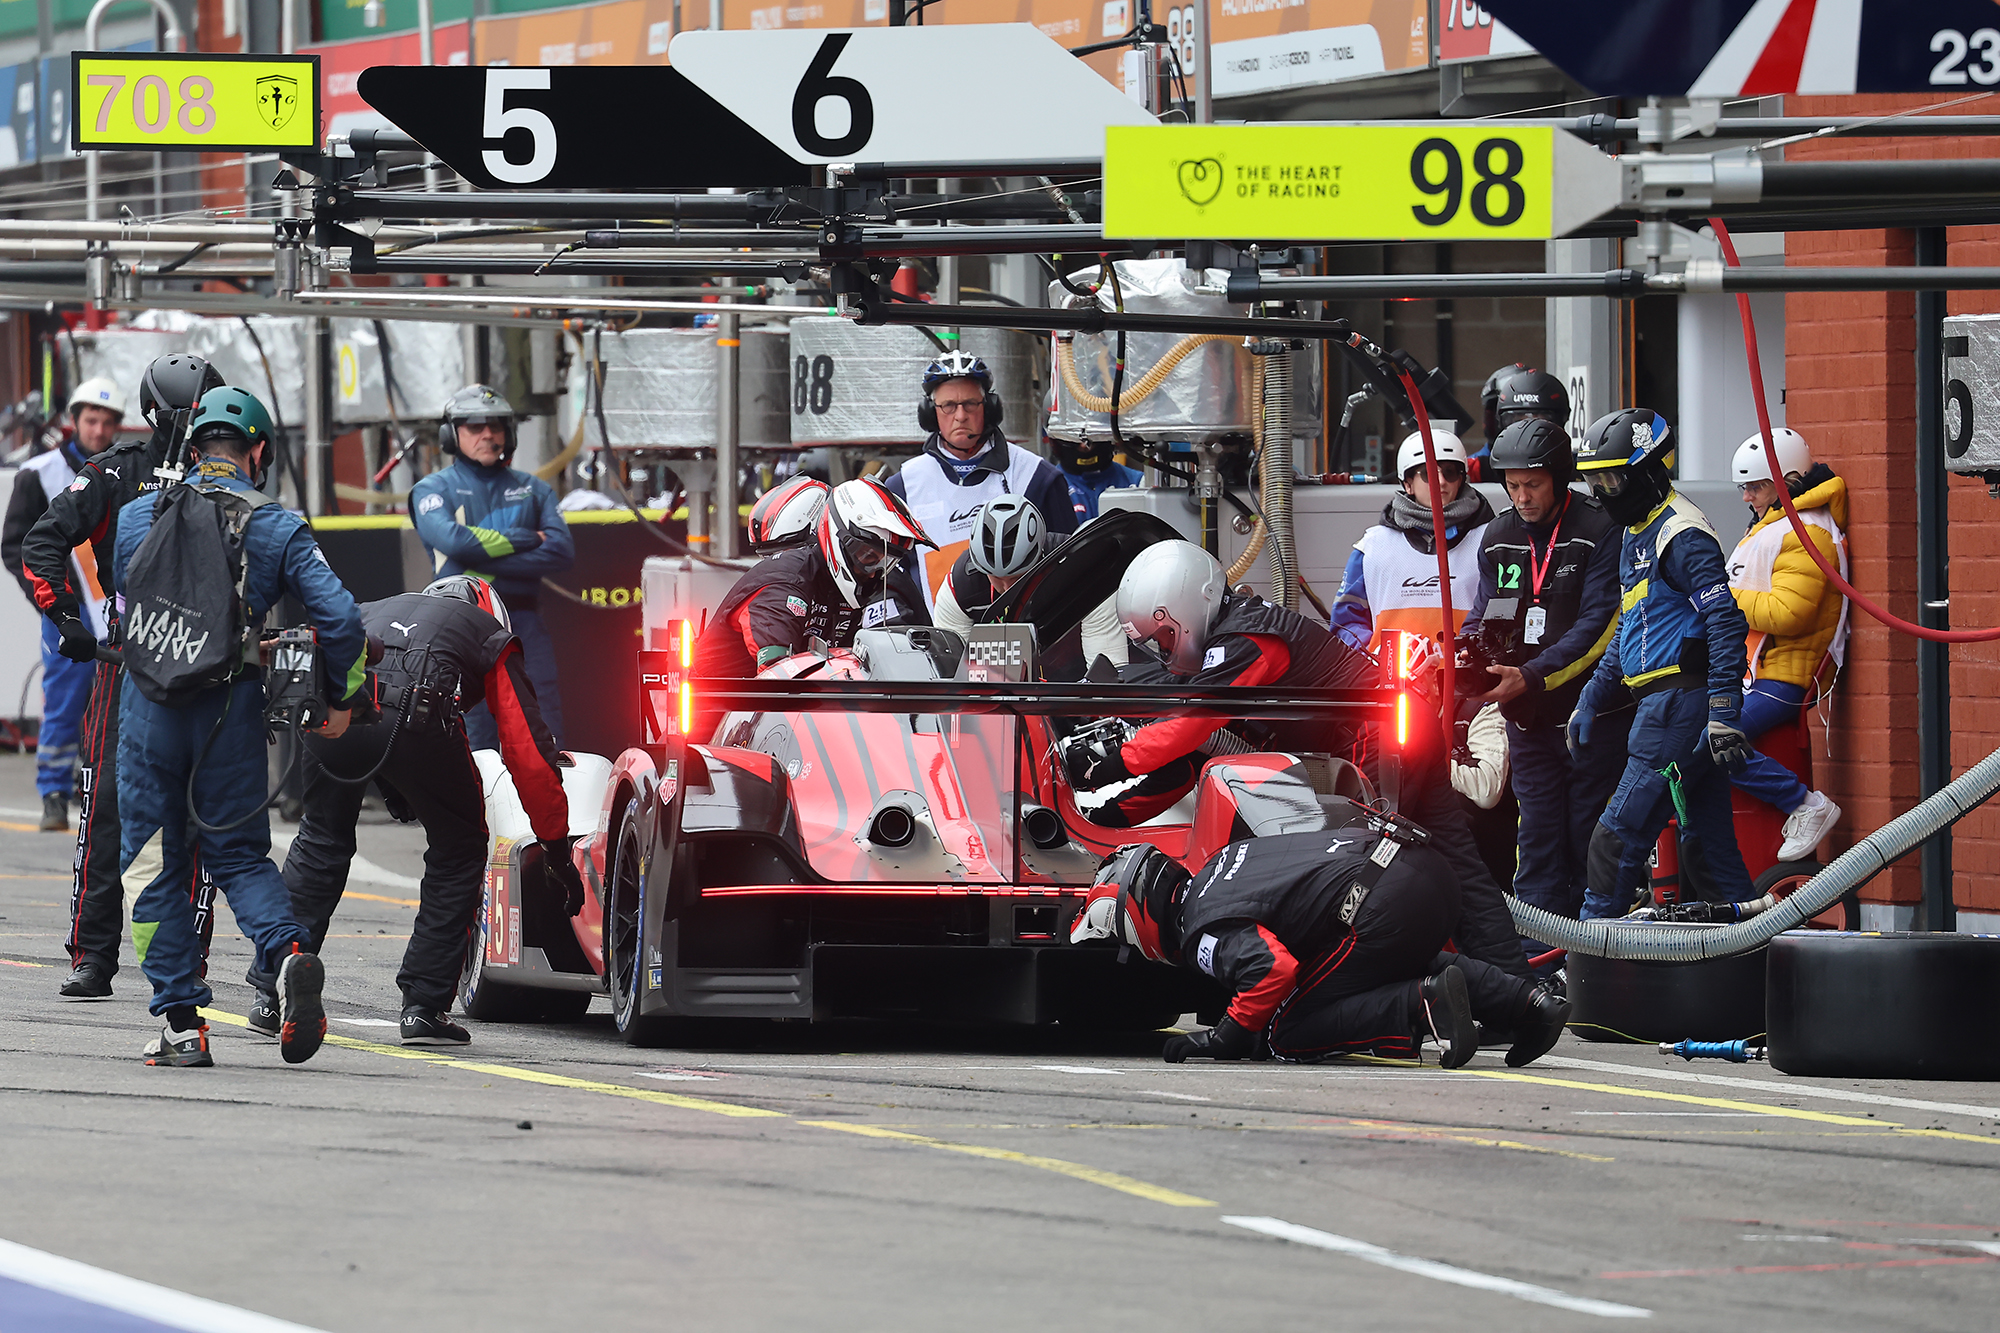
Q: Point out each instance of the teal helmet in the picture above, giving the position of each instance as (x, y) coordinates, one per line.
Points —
(232, 409)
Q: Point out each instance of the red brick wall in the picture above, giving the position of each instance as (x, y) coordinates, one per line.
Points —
(1850, 377)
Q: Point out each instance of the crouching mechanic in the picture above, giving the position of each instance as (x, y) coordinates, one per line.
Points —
(202, 760)
(1173, 599)
(1008, 537)
(1679, 648)
(853, 575)
(1328, 943)
(451, 640)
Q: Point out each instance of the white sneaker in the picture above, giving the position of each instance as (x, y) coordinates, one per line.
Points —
(1806, 826)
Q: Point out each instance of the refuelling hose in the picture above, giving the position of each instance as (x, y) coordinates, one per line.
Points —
(1146, 384)
(1607, 937)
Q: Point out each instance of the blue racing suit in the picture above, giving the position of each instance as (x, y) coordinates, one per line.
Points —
(160, 756)
(1086, 488)
(1680, 649)
(504, 526)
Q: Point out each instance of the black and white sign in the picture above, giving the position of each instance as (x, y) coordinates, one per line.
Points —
(963, 93)
(575, 127)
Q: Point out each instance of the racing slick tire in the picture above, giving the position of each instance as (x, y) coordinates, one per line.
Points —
(623, 930)
(1788, 877)
(1918, 1005)
(1626, 999)
(490, 1000)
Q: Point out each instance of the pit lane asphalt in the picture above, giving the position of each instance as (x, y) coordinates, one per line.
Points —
(863, 1177)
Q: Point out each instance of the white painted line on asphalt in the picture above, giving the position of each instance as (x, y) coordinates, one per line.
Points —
(674, 1076)
(143, 1300)
(1771, 1087)
(366, 1022)
(1085, 1069)
(1181, 1096)
(1464, 1277)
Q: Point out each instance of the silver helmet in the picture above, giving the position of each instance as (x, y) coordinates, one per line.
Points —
(1169, 599)
(1006, 536)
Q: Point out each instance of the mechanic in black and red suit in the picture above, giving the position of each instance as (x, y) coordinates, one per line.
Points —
(853, 576)
(454, 645)
(1328, 944)
(1174, 598)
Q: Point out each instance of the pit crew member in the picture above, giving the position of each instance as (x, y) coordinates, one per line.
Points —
(1173, 598)
(1328, 943)
(852, 576)
(1090, 470)
(1548, 602)
(67, 556)
(967, 461)
(450, 639)
(95, 410)
(1007, 538)
(482, 516)
(786, 515)
(1679, 649)
(204, 762)
(1391, 581)
(1796, 616)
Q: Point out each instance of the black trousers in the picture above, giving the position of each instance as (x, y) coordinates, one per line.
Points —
(435, 777)
(97, 892)
(1363, 996)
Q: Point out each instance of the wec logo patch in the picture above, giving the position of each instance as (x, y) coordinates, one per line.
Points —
(1710, 596)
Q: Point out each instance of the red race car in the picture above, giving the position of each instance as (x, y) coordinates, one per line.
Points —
(882, 831)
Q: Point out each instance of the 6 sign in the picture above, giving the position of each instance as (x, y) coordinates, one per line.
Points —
(148, 101)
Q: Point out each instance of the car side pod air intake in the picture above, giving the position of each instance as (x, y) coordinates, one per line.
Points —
(1043, 826)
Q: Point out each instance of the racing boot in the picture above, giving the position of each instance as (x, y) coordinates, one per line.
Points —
(1448, 1011)
(1538, 1027)
(90, 981)
(264, 1020)
(301, 1016)
(431, 1027)
(180, 1049)
(55, 813)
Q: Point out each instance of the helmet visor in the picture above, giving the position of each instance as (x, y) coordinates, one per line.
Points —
(1609, 483)
(869, 557)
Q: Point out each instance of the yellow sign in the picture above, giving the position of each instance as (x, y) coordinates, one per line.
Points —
(142, 100)
(1381, 182)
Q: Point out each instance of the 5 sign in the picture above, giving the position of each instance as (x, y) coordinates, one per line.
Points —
(148, 101)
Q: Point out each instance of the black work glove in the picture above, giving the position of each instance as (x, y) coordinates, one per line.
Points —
(1097, 764)
(78, 643)
(1727, 744)
(561, 873)
(1227, 1040)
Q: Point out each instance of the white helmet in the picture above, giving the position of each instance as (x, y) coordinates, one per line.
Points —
(98, 391)
(786, 514)
(1448, 448)
(1169, 599)
(862, 529)
(1006, 536)
(1749, 464)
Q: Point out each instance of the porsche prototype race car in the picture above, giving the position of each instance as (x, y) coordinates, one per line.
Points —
(881, 831)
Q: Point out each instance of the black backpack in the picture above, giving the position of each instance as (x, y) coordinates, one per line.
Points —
(186, 626)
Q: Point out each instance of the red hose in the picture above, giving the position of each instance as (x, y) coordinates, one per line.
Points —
(1450, 705)
(1894, 622)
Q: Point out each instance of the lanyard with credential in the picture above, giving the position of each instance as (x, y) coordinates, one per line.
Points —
(1539, 572)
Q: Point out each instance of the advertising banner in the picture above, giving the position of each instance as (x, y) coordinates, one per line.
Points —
(1266, 46)
(341, 63)
(624, 32)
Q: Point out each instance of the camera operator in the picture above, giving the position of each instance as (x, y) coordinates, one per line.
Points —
(1548, 599)
(200, 759)
(452, 639)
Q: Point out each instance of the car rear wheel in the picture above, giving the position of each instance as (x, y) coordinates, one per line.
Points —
(624, 936)
(491, 1000)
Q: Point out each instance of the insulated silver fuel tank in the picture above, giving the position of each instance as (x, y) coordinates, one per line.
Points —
(659, 387)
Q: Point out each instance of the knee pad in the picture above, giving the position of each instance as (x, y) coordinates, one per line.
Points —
(1607, 850)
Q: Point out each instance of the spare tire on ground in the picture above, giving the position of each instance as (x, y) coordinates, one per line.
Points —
(1900, 1004)
(1624, 999)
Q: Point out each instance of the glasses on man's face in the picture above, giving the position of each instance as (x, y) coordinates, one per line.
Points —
(1752, 487)
(951, 407)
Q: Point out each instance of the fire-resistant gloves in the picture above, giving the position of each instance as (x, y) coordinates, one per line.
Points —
(1577, 734)
(1727, 744)
(78, 643)
(1095, 764)
(561, 872)
(1227, 1040)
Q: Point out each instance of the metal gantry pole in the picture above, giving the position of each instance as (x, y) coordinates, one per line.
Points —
(728, 346)
(91, 183)
(1933, 585)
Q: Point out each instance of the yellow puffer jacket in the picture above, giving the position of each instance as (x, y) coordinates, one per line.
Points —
(1801, 612)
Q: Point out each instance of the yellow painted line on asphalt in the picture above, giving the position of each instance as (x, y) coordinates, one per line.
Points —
(28, 828)
(1074, 1170)
(66, 879)
(15, 962)
(1472, 1137)
(379, 898)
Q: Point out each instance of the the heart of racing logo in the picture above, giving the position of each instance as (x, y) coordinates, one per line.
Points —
(1201, 180)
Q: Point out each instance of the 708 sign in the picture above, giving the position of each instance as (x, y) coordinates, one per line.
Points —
(140, 100)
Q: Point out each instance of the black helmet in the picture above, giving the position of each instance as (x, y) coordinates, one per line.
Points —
(473, 405)
(175, 383)
(1533, 393)
(1489, 398)
(1534, 442)
(1624, 457)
